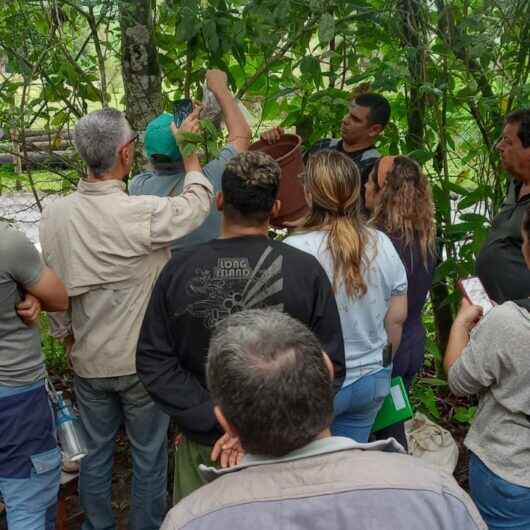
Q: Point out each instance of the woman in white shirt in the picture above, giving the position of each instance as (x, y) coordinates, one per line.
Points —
(369, 281)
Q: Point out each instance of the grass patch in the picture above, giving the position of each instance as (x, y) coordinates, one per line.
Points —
(45, 180)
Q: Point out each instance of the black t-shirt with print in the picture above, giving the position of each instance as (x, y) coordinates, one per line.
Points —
(202, 285)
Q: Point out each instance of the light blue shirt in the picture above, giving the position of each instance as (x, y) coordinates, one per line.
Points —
(362, 319)
(162, 184)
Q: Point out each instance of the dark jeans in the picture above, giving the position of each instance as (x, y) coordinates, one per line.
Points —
(104, 404)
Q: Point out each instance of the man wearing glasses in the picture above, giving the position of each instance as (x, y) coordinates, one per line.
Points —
(108, 248)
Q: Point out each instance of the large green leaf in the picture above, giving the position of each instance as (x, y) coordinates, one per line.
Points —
(210, 35)
(310, 68)
(326, 28)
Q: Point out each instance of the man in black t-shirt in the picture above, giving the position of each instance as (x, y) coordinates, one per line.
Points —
(366, 119)
(203, 284)
(500, 264)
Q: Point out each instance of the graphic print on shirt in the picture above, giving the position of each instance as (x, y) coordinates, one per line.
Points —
(233, 285)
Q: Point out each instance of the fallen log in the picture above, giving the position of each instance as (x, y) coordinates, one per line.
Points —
(28, 133)
(46, 146)
(42, 138)
(39, 160)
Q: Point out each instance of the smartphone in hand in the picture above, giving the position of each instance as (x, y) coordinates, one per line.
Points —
(475, 293)
(181, 109)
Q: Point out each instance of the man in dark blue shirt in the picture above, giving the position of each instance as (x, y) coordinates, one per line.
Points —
(368, 115)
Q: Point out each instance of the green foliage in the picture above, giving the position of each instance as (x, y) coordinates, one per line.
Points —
(207, 143)
(53, 350)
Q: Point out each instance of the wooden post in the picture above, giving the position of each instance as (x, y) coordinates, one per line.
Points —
(17, 160)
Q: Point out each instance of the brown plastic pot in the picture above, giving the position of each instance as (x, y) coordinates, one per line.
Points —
(287, 151)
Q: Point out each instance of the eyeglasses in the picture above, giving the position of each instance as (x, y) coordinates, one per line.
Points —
(131, 141)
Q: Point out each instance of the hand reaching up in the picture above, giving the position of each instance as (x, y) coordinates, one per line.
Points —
(190, 124)
(216, 80)
(271, 136)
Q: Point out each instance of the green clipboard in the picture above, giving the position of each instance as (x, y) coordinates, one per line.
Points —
(396, 407)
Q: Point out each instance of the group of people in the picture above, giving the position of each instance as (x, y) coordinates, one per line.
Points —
(272, 357)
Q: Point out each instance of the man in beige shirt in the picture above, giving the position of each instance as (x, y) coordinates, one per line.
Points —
(108, 248)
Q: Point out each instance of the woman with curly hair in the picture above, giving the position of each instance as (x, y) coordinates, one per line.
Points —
(369, 281)
(400, 198)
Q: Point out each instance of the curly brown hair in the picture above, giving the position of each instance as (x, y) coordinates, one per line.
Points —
(334, 183)
(405, 206)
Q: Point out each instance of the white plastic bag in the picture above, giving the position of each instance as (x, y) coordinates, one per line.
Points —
(212, 110)
(432, 443)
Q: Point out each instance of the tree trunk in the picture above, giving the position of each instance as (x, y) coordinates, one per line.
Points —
(413, 38)
(140, 68)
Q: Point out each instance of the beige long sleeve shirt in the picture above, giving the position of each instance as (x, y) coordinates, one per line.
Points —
(108, 248)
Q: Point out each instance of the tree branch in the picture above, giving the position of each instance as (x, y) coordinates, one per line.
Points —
(309, 26)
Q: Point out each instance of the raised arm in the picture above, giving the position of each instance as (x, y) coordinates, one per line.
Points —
(175, 217)
(238, 129)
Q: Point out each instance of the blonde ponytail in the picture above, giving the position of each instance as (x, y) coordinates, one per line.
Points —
(334, 184)
(347, 246)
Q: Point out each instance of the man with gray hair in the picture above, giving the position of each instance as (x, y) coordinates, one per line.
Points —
(203, 284)
(271, 387)
(108, 248)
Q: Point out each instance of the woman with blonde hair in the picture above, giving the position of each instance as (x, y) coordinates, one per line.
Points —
(400, 198)
(369, 281)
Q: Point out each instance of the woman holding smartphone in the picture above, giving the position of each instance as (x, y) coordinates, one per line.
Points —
(400, 199)
(369, 281)
(489, 356)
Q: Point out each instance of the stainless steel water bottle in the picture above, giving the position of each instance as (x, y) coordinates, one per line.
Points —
(69, 430)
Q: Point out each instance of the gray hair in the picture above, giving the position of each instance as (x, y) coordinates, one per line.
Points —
(267, 373)
(97, 137)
